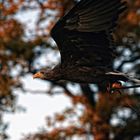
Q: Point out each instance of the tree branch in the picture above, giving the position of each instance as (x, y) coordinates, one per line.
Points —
(88, 93)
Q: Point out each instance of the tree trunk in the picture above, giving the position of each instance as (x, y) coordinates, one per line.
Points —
(101, 118)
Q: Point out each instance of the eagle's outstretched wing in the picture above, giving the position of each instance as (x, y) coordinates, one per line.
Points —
(84, 34)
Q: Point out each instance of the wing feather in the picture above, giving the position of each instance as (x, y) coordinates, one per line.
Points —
(84, 34)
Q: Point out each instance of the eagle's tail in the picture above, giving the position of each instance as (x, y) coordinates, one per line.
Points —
(124, 77)
(135, 80)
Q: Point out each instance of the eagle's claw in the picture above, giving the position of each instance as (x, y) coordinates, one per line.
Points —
(114, 87)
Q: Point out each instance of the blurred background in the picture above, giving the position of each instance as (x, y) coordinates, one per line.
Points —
(43, 110)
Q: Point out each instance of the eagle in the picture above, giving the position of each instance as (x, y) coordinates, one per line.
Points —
(85, 40)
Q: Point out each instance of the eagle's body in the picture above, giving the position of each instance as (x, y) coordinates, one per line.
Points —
(84, 38)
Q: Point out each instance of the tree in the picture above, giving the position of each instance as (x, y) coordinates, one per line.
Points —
(97, 109)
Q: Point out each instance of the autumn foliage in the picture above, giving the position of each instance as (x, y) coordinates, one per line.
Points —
(93, 111)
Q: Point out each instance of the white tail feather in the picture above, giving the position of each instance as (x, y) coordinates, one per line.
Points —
(128, 76)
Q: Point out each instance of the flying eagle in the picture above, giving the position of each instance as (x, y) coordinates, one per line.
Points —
(85, 41)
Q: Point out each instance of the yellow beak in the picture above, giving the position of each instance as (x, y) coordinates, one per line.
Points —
(37, 75)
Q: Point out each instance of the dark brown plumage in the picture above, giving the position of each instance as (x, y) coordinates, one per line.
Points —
(84, 38)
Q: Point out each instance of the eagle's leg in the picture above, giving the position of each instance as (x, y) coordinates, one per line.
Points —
(112, 87)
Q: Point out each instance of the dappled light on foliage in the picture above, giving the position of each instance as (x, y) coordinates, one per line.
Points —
(93, 112)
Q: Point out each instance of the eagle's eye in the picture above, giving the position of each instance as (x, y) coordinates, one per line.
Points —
(43, 72)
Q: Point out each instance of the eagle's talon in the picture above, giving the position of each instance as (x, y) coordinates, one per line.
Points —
(114, 87)
(118, 91)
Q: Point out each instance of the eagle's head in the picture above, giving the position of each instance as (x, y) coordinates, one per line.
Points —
(51, 75)
(41, 74)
